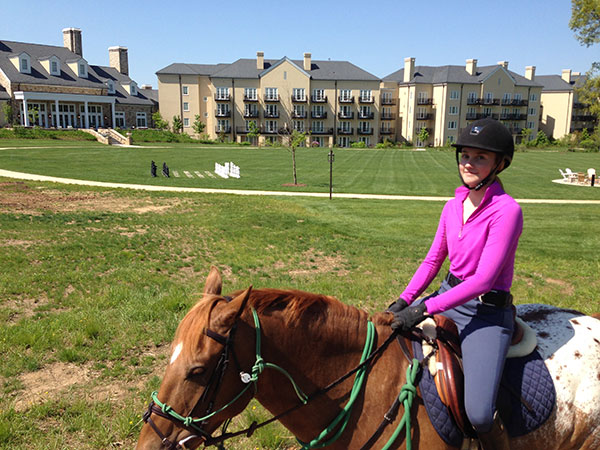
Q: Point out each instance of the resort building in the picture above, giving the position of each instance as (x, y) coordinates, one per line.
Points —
(52, 86)
(562, 112)
(265, 99)
(435, 103)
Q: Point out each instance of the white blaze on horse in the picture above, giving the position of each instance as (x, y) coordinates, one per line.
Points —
(291, 350)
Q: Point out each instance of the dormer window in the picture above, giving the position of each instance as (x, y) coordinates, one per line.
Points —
(133, 89)
(54, 68)
(82, 66)
(111, 86)
(24, 63)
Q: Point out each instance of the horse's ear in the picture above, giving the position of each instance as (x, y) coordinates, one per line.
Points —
(240, 302)
(214, 282)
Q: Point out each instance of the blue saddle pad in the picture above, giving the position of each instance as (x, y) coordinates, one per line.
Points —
(525, 401)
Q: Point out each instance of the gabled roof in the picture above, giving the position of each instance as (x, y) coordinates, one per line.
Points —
(557, 84)
(246, 68)
(97, 75)
(454, 74)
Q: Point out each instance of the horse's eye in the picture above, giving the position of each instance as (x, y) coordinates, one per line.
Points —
(195, 372)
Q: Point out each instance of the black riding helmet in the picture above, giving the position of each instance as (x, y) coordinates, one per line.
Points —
(487, 134)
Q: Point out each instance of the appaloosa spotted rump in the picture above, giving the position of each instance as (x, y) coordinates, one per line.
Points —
(569, 342)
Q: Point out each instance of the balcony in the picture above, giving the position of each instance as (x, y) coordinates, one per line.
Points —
(318, 115)
(388, 101)
(365, 131)
(318, 99)
(298, 99)
(474, 101)
(346, 99)
(387, 131)
(271, 114)
(491, 101)
(365, 115)
(299, 115)
(484, 115)
(520, 103)
(345, 131)
(346, 115)
(220, 130)
(253, 98)
(366, 100)
(513, 116)
(271, 130)
(583, 117)
(580, 105)
(427, 116)
(320, 131)
(222, 97)
(472, 116)
(252, 114)
(387, 117)
(424, 101)
(272, 98)
(222, 113)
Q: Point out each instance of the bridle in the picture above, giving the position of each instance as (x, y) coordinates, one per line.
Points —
(196, 425)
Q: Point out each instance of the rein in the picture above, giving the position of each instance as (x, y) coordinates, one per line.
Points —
(194, 425)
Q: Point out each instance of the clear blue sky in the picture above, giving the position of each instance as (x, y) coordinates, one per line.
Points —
(374, 35)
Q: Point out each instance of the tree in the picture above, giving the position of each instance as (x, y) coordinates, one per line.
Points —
(177, 124)
(423, 135)
(585, 21)
(159, 122)
(253, 132)
(292, 141)
(8, 113)
(526, 135)
(198, 125)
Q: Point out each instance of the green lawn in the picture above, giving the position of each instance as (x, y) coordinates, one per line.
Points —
(385, 171)
(94, 281)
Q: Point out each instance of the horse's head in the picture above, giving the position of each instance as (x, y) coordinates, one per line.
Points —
(198, 392)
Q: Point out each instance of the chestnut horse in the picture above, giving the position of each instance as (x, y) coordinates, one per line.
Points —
(313, 340)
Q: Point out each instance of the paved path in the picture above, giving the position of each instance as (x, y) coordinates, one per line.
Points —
(145, 187)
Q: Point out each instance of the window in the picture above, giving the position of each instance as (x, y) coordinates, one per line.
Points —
(533, 97)
(532, 111)
(364, 127)
(54, 68)
(453, 95)
(518, 97)
(271, 126)
(345, 127)
(133, 89)
(299, 125)
(422, 97)
(24, 63)
(506, 98)
(223, 126)
(186, 122)
(249, 126)
(271, 94)
(365, 139)
(184, 90)
(450, 138)
(222, 93)
(299, 94)
(250, 93)
(386, 97)
(345, 112)
(120, 119)
(453, 110)
(318, 95)
(452, 125)
(82, 67)
(186, 106)
(345, 95)
(317, 127)
(365, 112)
(365, 95)
(318, 112)
(531, 126)
(111, 86)
(299, 111)
(250, 110)
(472, 97)
(271, 111)
(140, 120)
(343, 141)
(489, 97)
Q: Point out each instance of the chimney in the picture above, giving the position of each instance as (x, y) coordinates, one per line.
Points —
(117, 59)
(566, 75)
(471, 66)
(146, 87)
(307, 61)
(530, 73)
(503, 64)
(72, 40)
(409, 69)
(260, 60)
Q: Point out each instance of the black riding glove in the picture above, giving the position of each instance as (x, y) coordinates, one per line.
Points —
(397, 306)
(407, 318)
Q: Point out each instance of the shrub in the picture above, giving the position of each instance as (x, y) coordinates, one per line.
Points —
(358, 145)
(43, 133)
(152, 135)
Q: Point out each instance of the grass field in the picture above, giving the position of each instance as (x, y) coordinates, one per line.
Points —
(95, 281)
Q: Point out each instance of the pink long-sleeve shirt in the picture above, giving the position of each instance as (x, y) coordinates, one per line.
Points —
(481, 251)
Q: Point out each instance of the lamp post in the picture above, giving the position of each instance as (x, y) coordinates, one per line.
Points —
(330, 158)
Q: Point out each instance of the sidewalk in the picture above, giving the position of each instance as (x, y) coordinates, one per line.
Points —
(144, 187)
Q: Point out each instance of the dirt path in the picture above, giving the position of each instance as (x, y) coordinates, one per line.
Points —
(144, 187)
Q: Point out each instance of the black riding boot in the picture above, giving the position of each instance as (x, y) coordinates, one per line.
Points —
(496, 438)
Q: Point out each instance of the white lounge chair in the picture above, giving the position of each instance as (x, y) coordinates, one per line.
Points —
(572, 175)
(565, 177)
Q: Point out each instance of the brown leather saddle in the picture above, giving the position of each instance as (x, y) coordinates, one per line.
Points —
(449, 378)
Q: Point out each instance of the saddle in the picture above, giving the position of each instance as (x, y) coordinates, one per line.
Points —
(447, 370)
